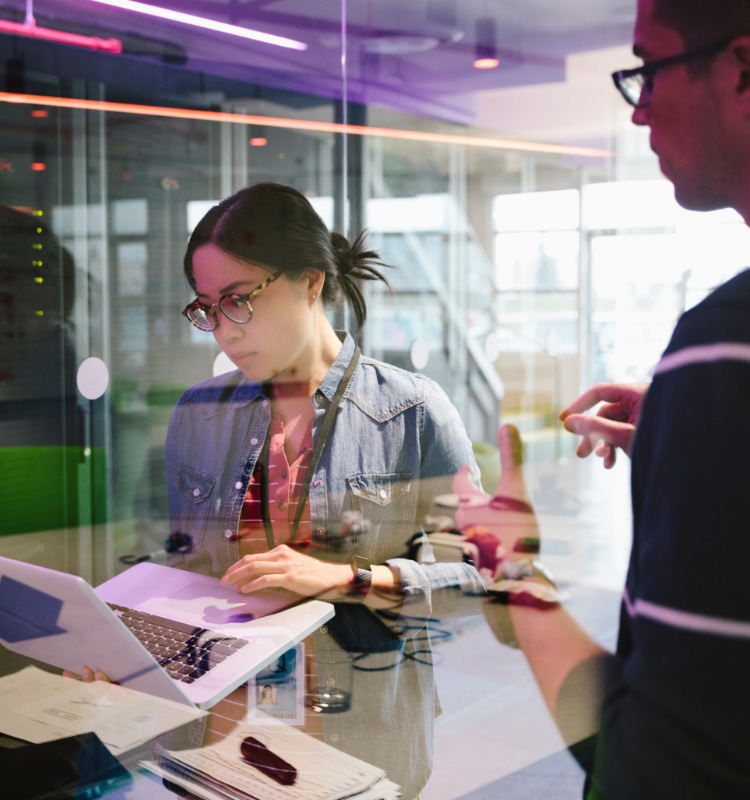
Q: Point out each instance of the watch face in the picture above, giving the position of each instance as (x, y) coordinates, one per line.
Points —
(362, 582)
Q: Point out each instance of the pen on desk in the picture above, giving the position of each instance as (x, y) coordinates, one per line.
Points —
(259, 756)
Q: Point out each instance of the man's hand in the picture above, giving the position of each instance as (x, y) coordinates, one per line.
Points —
(507, 516)
(612, 426)
(289, 569)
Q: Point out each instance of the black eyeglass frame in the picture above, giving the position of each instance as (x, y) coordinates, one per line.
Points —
(211, 310)
(646, 72)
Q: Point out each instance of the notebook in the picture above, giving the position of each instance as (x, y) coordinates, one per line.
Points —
(219, 638)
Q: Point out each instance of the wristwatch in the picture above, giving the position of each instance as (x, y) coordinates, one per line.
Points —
(362, 579)
(361, 583)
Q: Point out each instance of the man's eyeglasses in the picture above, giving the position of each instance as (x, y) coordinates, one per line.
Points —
(235, 307)
(635, 85)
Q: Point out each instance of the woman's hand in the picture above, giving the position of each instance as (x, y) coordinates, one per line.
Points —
(612, 426)
(287, 568)
(87, 675)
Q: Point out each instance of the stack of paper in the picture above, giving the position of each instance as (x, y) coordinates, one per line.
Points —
(38, 706)
(219, 772)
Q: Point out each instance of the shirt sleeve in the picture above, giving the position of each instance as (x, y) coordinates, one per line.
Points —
(434, 591)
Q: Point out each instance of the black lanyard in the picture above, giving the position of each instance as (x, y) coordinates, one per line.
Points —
(328, 420)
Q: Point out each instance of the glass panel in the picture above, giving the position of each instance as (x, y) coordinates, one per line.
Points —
(533, 248)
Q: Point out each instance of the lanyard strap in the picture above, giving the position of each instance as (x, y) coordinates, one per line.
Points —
(328, 420)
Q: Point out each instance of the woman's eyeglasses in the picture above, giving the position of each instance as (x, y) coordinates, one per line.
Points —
(235, 307)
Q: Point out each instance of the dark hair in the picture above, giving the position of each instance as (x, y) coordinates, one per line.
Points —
(702, 22)
(275, 227)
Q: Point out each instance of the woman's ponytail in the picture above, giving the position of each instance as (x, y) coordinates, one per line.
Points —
(355, 264)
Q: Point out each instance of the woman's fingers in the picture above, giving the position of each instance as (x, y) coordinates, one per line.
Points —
(87, 675)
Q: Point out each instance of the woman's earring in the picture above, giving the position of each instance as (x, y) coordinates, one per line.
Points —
(315, 296)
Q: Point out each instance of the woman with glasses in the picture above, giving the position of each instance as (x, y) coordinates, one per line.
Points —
(311, 467)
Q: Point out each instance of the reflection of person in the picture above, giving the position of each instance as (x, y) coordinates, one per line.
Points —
(267, 695)
(675, 696)
(263, 266)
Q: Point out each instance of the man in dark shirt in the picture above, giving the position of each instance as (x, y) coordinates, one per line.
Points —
(674, 700)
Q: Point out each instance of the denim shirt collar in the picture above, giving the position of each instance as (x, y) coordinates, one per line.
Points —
(338, 368)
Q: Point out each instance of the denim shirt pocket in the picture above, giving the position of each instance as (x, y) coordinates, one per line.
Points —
(386, 501)
(195, 490)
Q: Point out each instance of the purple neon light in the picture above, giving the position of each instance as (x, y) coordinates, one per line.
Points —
(201, 22)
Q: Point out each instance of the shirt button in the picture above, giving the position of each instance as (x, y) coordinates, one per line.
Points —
(318, 482)
(331, 682)
(253, 441)
(282, 504)
(323, 629)
(196, 492)
(320, 531)
(238, 485)
(228, 533)
(302, 449)
(265, 401)
(382, 494)
(284, 474)
(334, 737)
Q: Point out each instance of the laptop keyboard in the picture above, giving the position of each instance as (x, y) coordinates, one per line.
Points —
(187, 653)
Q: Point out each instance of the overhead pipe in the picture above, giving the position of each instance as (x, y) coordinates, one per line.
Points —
(29, 28)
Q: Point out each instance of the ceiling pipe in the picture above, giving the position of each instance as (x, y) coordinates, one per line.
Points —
(29, 28)
(90, 42)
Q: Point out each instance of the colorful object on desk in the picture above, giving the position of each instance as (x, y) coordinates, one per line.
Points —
(502, 503)
(526, 582)
(485, 550)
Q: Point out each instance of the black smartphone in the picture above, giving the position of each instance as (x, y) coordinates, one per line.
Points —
(66, 769)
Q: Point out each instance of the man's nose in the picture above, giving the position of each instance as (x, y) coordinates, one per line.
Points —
(640, 115)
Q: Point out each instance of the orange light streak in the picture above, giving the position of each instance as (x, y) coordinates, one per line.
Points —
(303, 125)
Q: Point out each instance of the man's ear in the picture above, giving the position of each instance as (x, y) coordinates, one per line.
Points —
(739, 52)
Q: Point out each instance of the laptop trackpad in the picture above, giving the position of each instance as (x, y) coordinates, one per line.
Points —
(221, 605)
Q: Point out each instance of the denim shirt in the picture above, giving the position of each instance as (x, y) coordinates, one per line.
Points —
(396, 444)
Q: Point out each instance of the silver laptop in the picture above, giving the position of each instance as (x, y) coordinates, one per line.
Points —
(185, 637)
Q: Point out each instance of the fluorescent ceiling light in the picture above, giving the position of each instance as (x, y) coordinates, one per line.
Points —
(202, 22)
